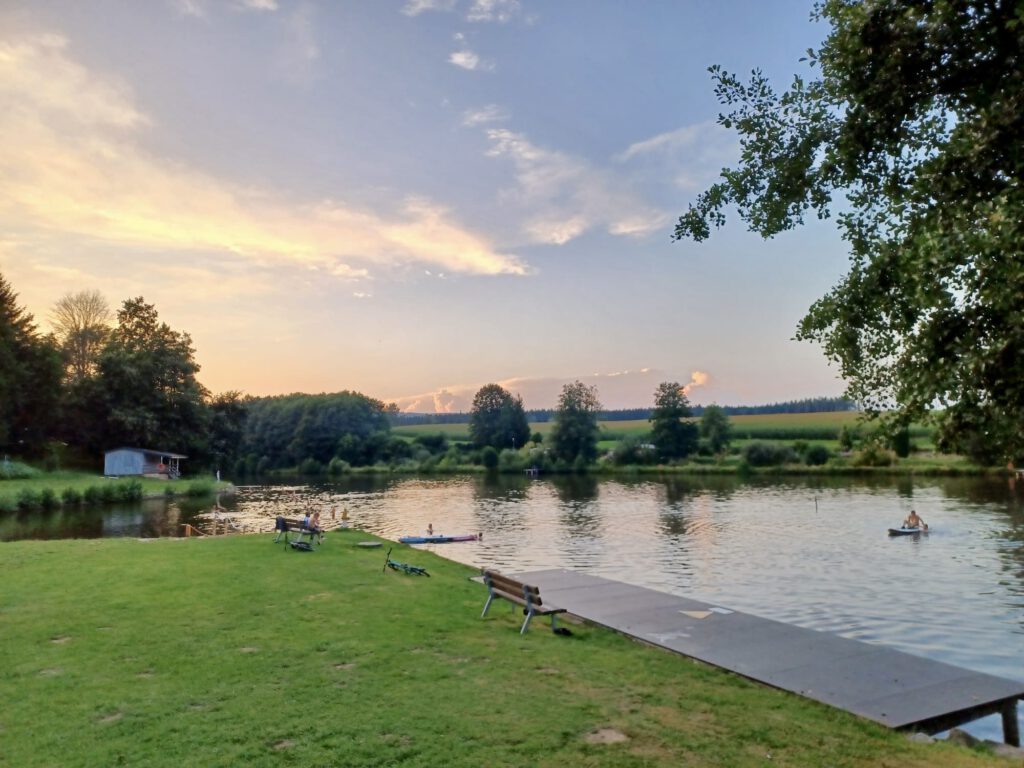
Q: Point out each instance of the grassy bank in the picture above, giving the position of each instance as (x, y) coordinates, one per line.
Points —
(49, 490)
(234, 651)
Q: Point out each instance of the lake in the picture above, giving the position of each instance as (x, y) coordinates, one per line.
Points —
(811, 552)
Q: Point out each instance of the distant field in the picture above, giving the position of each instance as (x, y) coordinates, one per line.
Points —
(782, 426)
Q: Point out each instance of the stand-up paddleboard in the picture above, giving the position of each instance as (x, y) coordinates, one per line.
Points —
(438, 539)
(906, 531)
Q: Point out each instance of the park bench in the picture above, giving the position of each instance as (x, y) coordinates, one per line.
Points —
(286, 525)
(519, 593)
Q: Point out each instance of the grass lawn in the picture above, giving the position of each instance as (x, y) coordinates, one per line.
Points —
(234, 651)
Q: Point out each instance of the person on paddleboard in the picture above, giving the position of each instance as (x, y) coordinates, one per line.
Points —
(914, 521)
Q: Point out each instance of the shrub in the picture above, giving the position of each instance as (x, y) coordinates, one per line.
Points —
(434, 443)
(873, 455)
(767, 454)
(200, 488)
(338, 466)
(71, 497)
(130, 491)
(489, 457)
(108, 493)
(511, 461)
(15, 470)
(311, 466)
(8, 504)
(92, 495)
(29, 499)
(816, 455)
(48, 499)
(632, 450)
(901, 443)
(845, 439)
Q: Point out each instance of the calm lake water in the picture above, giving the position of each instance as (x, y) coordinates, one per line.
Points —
(809, 552)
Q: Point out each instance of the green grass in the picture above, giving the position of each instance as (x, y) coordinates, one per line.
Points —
(57, 482)
(234, 651)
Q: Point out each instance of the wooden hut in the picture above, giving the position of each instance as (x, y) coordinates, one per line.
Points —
(143, 462)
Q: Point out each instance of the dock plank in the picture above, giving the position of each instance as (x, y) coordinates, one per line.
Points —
(891, 687)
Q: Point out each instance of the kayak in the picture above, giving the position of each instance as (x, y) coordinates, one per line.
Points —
(437, 539)
(906, 531)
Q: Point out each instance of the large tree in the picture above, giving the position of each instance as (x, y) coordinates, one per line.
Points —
(716, 428)
(497, 418)
(916, 119)
(574, 434)
(673, 435)
(81, 323)
(29, 378)
(149, 388)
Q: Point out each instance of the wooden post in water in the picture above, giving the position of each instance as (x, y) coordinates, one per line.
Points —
(1011, 730)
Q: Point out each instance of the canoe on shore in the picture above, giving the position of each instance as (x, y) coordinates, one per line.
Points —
(438, 538)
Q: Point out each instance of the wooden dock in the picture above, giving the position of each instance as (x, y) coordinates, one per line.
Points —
(893, 688)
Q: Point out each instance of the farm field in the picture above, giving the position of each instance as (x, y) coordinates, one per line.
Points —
(791, 426)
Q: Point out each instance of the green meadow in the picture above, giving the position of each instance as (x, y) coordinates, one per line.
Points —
(235, 651)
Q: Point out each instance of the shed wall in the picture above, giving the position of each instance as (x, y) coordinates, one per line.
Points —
(123, 462)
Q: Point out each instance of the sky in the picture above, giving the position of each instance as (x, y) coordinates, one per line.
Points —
(411, 198)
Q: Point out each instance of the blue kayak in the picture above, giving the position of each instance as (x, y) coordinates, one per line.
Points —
(437, 539)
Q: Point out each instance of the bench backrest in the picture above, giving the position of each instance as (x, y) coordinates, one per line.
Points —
(511, 589)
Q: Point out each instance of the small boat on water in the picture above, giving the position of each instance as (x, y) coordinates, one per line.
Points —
(907, 531)
(438, 538)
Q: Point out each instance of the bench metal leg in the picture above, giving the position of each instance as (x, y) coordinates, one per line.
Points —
(526, 624)
(490, 599)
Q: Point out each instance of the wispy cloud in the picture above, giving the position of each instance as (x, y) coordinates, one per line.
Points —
(491, 113)
(196, 8)
(691, 155)
(500, 11)
(671, 141)
(71, 164)
(416, 7)
(258, 5)
(564, 196)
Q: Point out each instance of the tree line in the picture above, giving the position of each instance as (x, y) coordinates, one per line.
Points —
(542, 415)
(103, 380)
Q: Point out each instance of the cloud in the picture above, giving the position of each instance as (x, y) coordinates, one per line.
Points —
(500, 11)
(697, 379)
(691, 155)
(416, 7)
(563, 196)
(618, 389)
(72, 165)
(470, 61)
(196, 8)
(258, 5)
(681, 138)
(491, 113)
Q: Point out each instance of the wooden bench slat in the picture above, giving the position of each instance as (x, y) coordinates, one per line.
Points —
(527, 595)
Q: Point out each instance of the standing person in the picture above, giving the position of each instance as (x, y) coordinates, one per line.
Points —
(914, 521)
(430, 529)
